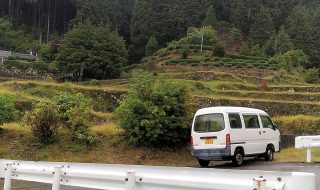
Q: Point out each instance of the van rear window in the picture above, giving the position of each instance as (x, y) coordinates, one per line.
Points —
(209, 123)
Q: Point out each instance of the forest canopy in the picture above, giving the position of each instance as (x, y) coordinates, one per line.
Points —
(260, 22)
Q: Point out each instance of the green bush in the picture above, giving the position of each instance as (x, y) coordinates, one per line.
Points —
(298, 125)
(227, 60)
(185, 52)
(152, 46)
(217, 64)
(312, 76)
(177, 61)
(154, 113)
(75, 114)
(245, 57)
(95, 82)
(43, 120)
(162, 52)
(74, 109)
(194, 36)
(39, 65)
(8, 111)
(218, 51)
(291, 59)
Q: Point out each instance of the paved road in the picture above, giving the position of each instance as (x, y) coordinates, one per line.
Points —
(248, 165)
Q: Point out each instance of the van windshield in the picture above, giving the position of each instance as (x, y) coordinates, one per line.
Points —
(209, 123)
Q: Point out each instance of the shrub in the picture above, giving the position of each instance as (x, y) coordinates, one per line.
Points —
(75, 114)
(43, 120)
(227, 60)
(312, 76)
(95, 82)
(39, 65)
(298, 125)
(206, 59)
(217, 64)
(291, 59)
(218, 50)
(8, 111)
(74, 110)
(194, 36)
(185, 52)
(84, 136)
(152, 46)
(162, 52)
(154, 113)
(200, 86)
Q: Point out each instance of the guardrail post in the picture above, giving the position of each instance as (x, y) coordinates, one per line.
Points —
(130, 180)
(7, 179)
(309, 155)
(259, 183)
(56, 178)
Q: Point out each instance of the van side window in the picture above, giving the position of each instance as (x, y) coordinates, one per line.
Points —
(235, 121)
(251, 121)
(266, 122)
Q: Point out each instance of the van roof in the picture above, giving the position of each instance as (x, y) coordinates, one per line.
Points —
(228, 109)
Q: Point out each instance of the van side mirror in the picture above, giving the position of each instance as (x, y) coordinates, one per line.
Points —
(275, 126)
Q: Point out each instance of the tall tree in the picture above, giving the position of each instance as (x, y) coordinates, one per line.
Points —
(210, 19)
(262, 27)
(167, 19)
(315, 53)
(299, 28)
(92, 52)
(152, 46)
(242, 14)
(278, 43)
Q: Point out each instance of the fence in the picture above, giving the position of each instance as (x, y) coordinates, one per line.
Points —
(307, 142)
(124, 177)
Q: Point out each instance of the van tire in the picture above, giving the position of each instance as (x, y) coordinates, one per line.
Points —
(204, 163)
(269, 154)
(238, 158)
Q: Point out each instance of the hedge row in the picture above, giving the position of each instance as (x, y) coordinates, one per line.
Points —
(255, 58)
(39, 66)
(192, 62)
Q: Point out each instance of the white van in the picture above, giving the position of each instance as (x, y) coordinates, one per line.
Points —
(232, 133)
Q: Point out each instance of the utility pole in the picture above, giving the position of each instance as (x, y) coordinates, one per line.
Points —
(201, 43)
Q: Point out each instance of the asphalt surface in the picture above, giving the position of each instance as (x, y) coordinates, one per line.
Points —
(252, 164)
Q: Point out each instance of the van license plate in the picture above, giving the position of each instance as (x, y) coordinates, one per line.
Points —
(208, 141)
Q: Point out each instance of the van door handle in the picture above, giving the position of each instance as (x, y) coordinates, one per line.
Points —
(264, 131)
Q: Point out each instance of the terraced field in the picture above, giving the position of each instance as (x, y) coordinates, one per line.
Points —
(294, 105)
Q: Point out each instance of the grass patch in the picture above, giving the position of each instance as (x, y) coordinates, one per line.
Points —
(297, 155)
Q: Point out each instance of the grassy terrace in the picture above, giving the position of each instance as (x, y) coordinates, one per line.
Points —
(222, 86)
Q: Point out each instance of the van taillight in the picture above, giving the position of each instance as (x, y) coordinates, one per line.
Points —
(191, 140)
(228, 139)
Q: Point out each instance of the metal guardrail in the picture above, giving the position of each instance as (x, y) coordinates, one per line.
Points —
(126, 177)
(307, 142)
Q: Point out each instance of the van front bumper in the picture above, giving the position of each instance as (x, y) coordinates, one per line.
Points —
(212, 154)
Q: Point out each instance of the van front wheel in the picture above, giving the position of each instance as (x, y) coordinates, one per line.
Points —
(269, 154)
(204, 163)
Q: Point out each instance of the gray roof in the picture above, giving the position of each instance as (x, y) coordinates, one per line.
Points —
(5, 54)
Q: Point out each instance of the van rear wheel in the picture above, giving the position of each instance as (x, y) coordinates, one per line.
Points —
(238, 158)
(204, 163)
